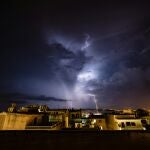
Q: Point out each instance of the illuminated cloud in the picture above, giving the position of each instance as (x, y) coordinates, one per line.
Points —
(69, 51)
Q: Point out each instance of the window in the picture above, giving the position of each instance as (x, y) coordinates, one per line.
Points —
(35, 121)
(122, 124)
(73, 116)
(133, 124)
(128, 124)
(77, 115)
(143, 121)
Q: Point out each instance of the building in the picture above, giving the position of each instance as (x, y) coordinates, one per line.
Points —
(123, 122)
(35, 117)
(17, 121)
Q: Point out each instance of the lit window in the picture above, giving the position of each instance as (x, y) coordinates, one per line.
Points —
(94, 121)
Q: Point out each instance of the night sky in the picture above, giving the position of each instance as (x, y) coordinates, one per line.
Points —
(76, 50)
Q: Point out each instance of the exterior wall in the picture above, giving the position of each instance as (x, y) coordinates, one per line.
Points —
(125, 116)
(147, 118)
(21, 121)
(56, 115)
(66, 122)
(75, 114)
(114, 122)
(66, 119)
(2, 120)
(127, 111)
(61, 116)
(15, 121)
(74, 117)
(110, 122)
(137, 124)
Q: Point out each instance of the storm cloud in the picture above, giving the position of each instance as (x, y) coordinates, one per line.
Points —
(77, 51)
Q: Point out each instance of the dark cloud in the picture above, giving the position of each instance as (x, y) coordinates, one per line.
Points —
(123, 75)
(74, 49)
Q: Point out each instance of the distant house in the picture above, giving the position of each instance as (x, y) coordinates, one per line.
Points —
(123, 122)
(75, 118)
(17, 121)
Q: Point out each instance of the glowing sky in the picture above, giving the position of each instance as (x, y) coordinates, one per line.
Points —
(74, 49)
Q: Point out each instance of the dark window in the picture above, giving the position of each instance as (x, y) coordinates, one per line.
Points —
(133, 124)
(128, 124)
(73, 116)
(143, 122)
(35, 121)
(77, 115)
(122, 124)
